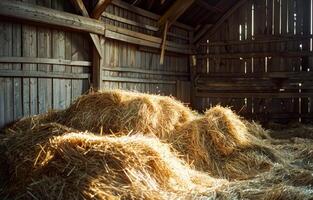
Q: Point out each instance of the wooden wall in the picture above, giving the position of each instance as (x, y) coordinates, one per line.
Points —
(136, 66)
(259, 62)
(40, 68)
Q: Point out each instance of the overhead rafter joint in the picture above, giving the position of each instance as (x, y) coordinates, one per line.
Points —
(174, 12)
(201, 32)
(209, 7)
(217, 25)
(100, 8)
(80, 7)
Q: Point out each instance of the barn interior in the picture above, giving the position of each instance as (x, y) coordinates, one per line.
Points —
(156, 99)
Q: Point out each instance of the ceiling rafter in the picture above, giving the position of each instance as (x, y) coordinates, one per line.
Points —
(217, 25)
(100, 8)
(208, 7)
(174, 12)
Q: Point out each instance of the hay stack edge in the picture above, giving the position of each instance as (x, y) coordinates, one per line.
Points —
(127, 145)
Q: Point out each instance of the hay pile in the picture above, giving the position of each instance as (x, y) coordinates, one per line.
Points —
(70, 165)
(219, 143)
(28, 123)
(119, 111)
(48, 157)
(280, 183)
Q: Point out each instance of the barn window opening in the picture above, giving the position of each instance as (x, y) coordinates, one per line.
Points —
(295, 23)
(252, 22)
(266, 64)
(240, 32)
(273, 18)
(208, 60)
(280, 17)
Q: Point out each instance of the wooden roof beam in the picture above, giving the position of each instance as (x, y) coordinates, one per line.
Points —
(174, 12)
(209, 7)
(47, 16)
(201, 32)
(100, 8)
(218, 24)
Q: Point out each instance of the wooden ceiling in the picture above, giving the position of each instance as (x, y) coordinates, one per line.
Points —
(199, 13)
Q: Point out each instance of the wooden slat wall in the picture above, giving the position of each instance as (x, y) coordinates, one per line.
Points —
(260, 39)
(134, 67)
(24, 94)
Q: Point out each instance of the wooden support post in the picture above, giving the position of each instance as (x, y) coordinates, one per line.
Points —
(98, 63)
(163, 44)
(97, 40)
(193, 73)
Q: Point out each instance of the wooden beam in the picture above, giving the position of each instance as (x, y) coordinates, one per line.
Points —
(39, 74)
(100, 8)
(201, 32)
(174, 12)
(252, 95)
(145, 13)
(218, 24)
(139, 24)
(209, 7)
(39, 14)
(137, 80)
(80, 7)
(294, 54)
(44, 61)
(163, 44)
(144, 71)
(130, 22)
(137, 38)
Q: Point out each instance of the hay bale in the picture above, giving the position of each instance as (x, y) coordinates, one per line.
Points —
(121, 111)
(62, 165)
(28, 123)
(219, 143)
(22, 149)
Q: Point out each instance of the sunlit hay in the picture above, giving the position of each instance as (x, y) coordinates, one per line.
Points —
(86, 166)
(28, 123)
(23, 149)
(257, 130)
(122, 111)
(220, 144)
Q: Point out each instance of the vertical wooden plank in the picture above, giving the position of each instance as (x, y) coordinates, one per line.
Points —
(275, 61)
(305, 61)
(29, 39)
(6, 102)
(17, 82)
(44, 84)
(44, 51)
